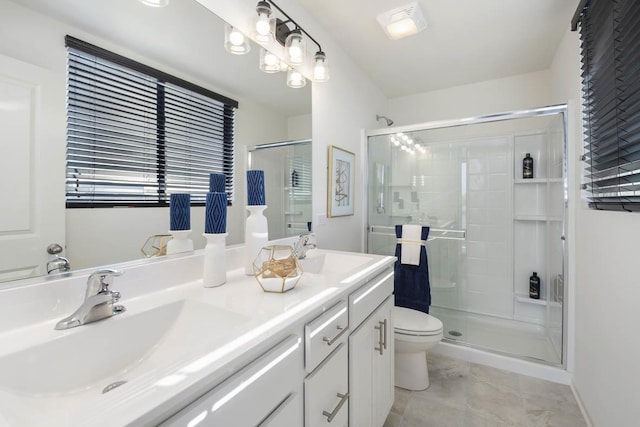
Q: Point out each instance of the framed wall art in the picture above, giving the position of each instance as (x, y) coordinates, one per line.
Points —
(341, 182)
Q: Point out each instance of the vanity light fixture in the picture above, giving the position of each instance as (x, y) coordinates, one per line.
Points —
(402, 21)
(235, 42)
(155, 3)
(268, 28)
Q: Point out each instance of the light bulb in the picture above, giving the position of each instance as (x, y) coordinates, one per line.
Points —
(269, 63)
(236, 38)
(263, 23)
(235, 42)
(295, 79)
(271, 59)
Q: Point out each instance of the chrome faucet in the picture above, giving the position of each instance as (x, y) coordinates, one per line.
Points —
(58, 264)
(304, 244)
(98, 301)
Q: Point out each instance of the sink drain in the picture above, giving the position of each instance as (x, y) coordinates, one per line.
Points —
(455, 333)
(112, 386)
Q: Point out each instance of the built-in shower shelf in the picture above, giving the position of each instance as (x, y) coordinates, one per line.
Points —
(537, 180)
(527, 300)
(530, 217)
(531, 181)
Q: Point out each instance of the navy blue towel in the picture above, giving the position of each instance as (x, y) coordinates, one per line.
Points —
(411, 282)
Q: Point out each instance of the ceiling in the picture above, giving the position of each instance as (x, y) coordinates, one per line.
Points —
(466, 41)
(186, 38)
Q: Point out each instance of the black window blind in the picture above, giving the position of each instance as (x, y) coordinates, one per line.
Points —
(135, 134)
(610, 47)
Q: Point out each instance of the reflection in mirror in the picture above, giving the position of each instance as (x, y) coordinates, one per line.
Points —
(287, 171)
(183, 39)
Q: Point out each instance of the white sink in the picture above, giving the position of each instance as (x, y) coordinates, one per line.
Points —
(332, 264)
(120, 348)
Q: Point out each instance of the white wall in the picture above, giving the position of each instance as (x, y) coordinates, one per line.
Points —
(606, 370)
(493, 96)
(105, 236)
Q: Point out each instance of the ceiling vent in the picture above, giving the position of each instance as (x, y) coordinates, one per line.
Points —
(402, 21)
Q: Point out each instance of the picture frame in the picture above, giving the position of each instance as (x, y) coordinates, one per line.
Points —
(340, 182)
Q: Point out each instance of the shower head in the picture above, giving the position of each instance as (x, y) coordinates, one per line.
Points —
(386, 119)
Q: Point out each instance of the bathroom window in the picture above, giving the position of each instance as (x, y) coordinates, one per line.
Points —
(610, 39)
(135, 134)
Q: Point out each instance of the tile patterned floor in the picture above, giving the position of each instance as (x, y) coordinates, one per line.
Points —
(464, 394)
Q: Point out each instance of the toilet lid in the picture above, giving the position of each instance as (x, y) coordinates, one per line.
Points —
(415, 322)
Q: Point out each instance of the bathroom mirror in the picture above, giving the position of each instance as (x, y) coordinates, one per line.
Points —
(287, 169)
(184, 39)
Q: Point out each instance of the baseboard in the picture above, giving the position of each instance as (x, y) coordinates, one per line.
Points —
(583, 409)
(523, 367)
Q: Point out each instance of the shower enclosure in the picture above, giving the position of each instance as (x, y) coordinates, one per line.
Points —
(490, 229)
(287, 174)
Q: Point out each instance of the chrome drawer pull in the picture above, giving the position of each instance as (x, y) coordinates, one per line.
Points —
(382, 345)
(331, 415)
(330, 341)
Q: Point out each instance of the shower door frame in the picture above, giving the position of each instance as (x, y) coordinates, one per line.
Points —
(561, 109)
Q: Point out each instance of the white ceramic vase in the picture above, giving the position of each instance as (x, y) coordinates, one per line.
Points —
(180, 242)
(215, 263)
(256, 235)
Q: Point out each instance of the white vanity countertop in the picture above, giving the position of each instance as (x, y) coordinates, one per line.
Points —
(210, 333)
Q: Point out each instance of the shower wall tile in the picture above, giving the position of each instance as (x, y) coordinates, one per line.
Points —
(476, 249)
(498, 164)
(476, 200)
(477, 216)
(498, 181)
(476, 166)
(477, 183)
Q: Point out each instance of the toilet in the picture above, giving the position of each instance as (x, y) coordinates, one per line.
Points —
(415, 332)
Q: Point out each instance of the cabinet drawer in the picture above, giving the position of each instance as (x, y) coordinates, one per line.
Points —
(326, 392)
(367, 298)
(324, 334)
(251, 396)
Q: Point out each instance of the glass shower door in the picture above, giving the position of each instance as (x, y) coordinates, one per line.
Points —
(427, 185)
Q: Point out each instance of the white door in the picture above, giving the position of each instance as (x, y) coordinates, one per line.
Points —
(32, 167)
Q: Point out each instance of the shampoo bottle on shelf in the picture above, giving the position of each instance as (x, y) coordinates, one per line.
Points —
(527, 166)
(534, 286)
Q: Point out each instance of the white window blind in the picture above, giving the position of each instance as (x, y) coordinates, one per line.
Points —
(610, 36)
(135, 134)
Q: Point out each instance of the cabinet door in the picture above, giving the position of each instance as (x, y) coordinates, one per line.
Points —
(361, 353)
(383, 365)
(371, 375)
(326, 392)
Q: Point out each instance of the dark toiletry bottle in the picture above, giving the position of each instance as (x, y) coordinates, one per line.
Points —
(527, 166)
(534, 286)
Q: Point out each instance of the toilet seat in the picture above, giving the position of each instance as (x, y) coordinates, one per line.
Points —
(415, 323)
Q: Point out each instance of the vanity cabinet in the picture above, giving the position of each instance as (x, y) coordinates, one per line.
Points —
(371, 354)
(336, 371)
(266, 392)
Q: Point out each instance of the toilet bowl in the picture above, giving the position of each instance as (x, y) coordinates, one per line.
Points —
(415, 332)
